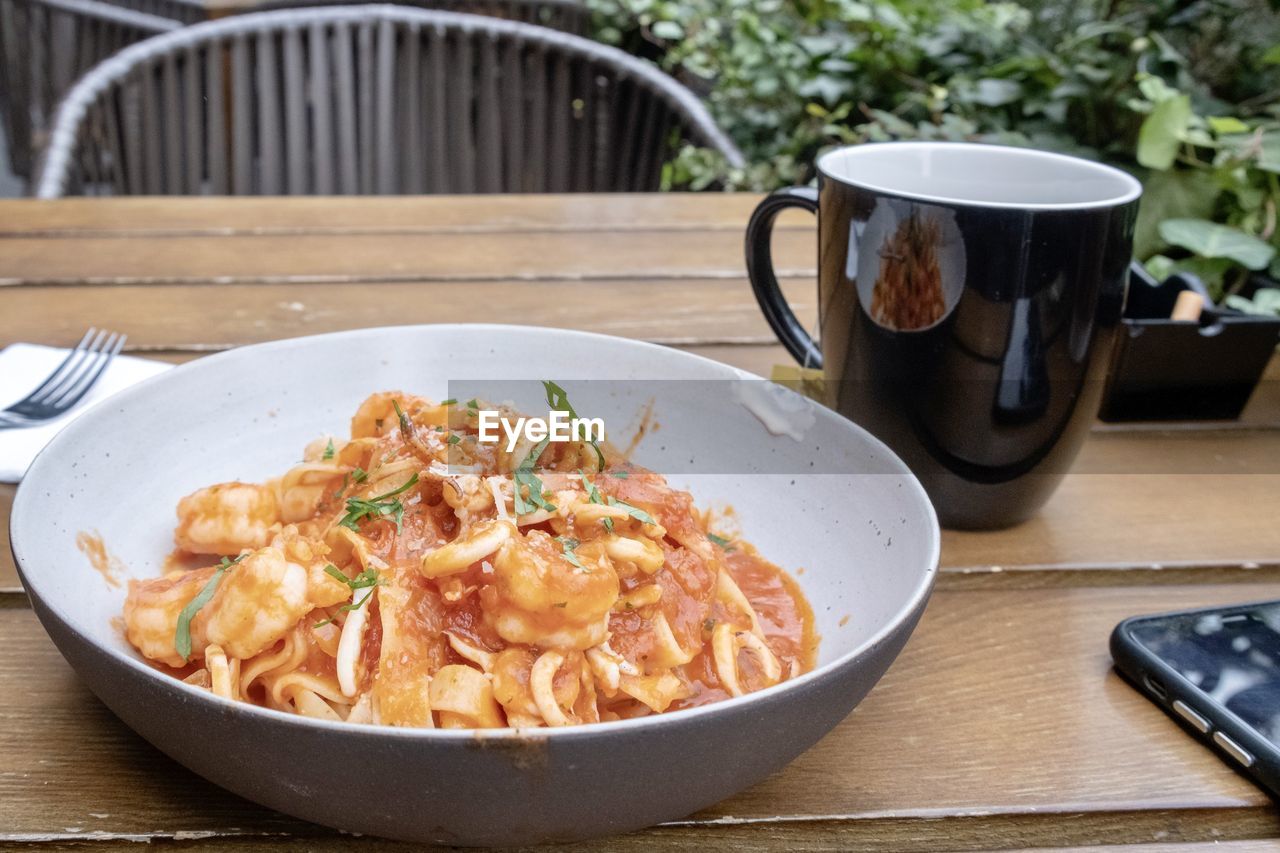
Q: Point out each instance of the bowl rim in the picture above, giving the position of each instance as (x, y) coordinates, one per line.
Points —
(914, 604)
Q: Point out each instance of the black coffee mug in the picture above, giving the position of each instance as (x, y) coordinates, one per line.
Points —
(968, 299)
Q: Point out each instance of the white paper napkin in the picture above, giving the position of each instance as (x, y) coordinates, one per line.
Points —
(25, 366)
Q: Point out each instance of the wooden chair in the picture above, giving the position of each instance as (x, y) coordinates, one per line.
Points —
(45, 45)
(370, 100)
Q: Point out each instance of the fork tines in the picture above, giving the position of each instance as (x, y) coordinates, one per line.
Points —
(73, 378)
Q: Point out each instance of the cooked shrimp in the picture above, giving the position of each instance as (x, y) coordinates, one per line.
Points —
(257, 602)
(377, 414)
(151, 612)
(323, 589)
(226, 519)
(543, 599)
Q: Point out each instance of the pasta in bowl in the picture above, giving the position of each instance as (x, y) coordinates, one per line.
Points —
(413, 576)
(826, 501)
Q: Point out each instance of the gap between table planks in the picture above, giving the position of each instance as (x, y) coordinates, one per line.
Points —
(1067, 752)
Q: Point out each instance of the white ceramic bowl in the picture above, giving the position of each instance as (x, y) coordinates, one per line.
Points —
(866, 537)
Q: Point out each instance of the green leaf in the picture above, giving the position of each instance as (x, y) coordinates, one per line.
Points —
(1161, 133)
(1174, 194)
(1211, 240)
(1268, 299)
(1223, 125)
(182, 634)
(1160, 267)
(568, 545)
(633, 511)
(347, 608)
(724, 543)
(669, 30)
(1265, 303)
(1272, 56)
(1155, 89)
(558, 400)
(994, 93)
(524, 477)
(1210, 271)
(1269, 152)
(387, 504)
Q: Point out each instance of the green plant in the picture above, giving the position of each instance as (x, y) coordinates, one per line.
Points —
(1265, 303)
(1211, 199)
(1166, 89)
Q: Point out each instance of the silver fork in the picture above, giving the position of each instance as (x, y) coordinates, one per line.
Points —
(67, 385)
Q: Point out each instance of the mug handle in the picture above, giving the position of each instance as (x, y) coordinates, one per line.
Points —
(763, 281)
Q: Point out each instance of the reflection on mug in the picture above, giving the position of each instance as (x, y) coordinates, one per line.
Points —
(911, 273)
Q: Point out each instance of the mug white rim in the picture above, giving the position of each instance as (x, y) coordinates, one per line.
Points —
(1132, 188)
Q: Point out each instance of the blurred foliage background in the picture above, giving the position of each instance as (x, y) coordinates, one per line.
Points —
(1185, 95)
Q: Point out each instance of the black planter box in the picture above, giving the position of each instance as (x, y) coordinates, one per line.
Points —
(1166, 370)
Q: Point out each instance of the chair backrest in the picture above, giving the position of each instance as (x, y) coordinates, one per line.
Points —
(45, 45)
(568, 16)
(184, 11)
(370, 99)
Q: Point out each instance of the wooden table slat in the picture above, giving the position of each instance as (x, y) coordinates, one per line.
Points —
(1011, 688)
(160, 216)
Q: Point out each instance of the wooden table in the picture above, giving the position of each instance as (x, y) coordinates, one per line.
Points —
(1002, 724)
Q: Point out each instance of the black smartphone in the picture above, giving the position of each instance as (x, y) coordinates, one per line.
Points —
(1217, 672)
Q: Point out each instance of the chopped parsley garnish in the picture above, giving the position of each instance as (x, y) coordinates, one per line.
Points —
(346, 481)
(359, 475)
(593, 496)
(635, 512)
(719, 540)
(569, 545)
(619, 474)
(439, 428)
(182, 636)
(524, 477)
(454, 438)
(448, 402)
(473, 404)
(365, 580)
(358, 509)
(405, 426)
(328, 451)
(558, 400)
